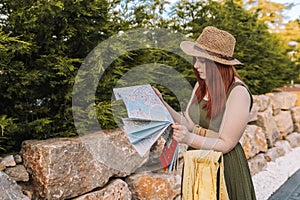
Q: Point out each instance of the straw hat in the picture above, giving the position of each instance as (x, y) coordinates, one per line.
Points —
(213, 44)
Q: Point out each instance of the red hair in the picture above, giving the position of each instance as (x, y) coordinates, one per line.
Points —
(219, 78)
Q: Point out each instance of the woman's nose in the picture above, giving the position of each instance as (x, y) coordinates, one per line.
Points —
(198, 65)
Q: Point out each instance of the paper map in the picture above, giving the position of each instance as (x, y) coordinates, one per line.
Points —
(147, 119)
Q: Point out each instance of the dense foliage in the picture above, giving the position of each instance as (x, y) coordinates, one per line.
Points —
(44, 43)
(266, 65)
(36, 84)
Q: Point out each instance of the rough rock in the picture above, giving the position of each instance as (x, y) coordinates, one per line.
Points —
(284, 122)
(262, 101)
(284, 145)
(154, 186)
(280, 149)
(296, 118)
(18, 159)
(9, 190)
(18, 173)
(276, 105)
(296, 114)
(257, 163)
(297, 127)
(8, 161)
(116, 189)
(267, 122)
(67, 167)
(294, 139)
(286, 99)
(2, 167)
(253, 141)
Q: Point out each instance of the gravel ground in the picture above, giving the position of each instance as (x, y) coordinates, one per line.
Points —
(267, 182)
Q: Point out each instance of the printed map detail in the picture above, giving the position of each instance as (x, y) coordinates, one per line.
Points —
(142, 103)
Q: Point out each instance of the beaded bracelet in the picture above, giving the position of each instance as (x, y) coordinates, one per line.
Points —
(199, 130)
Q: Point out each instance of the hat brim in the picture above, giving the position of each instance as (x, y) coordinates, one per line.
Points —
(188, 48)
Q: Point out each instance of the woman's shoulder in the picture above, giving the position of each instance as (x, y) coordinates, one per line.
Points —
(238, 84)
(239, 92)
(238, 81)
(239, 89)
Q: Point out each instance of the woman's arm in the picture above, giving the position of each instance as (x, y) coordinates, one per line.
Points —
(234, 122)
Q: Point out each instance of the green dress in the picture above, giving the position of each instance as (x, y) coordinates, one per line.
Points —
(236, 170)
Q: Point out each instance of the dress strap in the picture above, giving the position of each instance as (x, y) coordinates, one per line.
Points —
(237, 83)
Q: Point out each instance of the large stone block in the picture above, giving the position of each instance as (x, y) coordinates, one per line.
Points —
(253, 141)
(294, 139)
(8, 161)
(116, 189)
(267, 122)
(257, 164)
(296, 114)
(284, 122)
(18, 173)
(280, 149)
(286, 99)
(275, 104)
(67, 167)
(262, 102)
(296, 118)
(297, 127)
(9, 190)
(154, 185)
(285, 145)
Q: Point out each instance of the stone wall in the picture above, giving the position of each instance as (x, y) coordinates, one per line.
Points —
(103, 165)
(273, 129)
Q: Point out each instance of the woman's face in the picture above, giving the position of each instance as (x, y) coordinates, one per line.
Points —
(200, 66)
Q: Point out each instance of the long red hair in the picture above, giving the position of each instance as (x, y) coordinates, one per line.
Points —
(219, 77)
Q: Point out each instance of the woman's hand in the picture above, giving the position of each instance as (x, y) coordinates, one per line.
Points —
(182, 135)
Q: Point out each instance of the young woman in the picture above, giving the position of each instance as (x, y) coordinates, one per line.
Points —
(218, 111)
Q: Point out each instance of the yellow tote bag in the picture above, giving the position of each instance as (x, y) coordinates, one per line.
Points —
(203, 176)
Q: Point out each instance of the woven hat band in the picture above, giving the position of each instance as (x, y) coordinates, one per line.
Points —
(214, 54)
